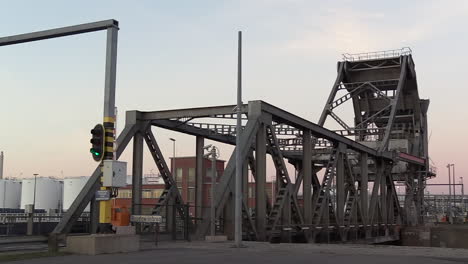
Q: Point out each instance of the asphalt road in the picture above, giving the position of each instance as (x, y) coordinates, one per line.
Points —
(264, 253)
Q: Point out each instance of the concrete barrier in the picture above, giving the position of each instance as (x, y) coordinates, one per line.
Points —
(451, 236)
(102, 244)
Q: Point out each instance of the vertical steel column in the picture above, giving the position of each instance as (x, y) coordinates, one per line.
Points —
(109, 116)
(199, 176)
(340, 190)
(93, 215)
(245, 184)
(364, 184)
(212, 192)
(375, 190)
(137, 173)
(260, 201)
(383, 196)
(307, 175)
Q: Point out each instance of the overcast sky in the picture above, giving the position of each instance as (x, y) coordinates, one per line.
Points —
(178, 54)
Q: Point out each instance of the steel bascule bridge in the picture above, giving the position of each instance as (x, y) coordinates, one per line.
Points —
(346, 177)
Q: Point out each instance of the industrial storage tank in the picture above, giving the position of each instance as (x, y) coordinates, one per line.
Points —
(10, 194)
(71, 189)
(48, 193)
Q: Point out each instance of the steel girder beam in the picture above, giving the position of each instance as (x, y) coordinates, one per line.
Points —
(92, 185)
(137, 172)
(394, 103)
(59, 32)
(335, 88)
(364, 194)
(170, 190)
(307, 176)
(375, 190)
(200, 143)
(340, 186)
(260, 181)
(192, 112)
(281, 116)
(223, 188)
(321, 201)
(187, 129)
(285, 192)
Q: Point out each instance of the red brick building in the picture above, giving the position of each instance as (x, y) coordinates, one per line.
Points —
(186, 183)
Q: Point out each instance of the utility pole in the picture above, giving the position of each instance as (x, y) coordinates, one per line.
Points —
(1, 165)
(453, 181)
(238, 192)
(450, 196)
(173, 158)
(463, 195)
(214, 155)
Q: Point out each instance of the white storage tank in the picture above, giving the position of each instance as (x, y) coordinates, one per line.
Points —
(48, 193)
(10, 194)
(71, 189)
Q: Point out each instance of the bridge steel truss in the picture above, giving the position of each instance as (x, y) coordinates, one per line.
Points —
(355, 199)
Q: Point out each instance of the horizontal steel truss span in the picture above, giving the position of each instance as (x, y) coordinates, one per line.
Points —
(348, 190)
(342, 213)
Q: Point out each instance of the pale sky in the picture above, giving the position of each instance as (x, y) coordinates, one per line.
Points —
(179, 54)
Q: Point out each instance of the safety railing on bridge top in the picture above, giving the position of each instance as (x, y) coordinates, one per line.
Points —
(377, 54)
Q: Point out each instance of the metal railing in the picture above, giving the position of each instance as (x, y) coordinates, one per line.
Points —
(377, 54)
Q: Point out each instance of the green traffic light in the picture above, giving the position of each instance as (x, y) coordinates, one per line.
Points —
(93, 151)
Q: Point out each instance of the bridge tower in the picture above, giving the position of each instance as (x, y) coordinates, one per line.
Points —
(388, 115)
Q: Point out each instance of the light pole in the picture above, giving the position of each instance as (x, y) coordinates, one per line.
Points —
(453, 181)
(239, 161)
(213, 154)
(34, 197)
(450, 195)
(463, 195)
(173, 158)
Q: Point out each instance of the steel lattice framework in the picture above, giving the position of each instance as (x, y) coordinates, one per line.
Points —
(387, 142)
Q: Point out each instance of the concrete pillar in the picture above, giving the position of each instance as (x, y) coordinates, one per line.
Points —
(199, 176)
(307, 175)
(137, 173)
(260, 201)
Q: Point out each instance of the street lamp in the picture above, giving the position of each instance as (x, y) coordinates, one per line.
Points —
(173, 157)
(453, 180)
(450, 195)
(213, 154)
(34, 197)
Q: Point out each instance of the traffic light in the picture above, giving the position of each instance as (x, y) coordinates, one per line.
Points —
(97, 141)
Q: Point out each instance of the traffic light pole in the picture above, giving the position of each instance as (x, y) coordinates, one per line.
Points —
(112, 27)
(109, 120)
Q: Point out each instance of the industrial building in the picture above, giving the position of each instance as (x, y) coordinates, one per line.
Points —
(187, 185)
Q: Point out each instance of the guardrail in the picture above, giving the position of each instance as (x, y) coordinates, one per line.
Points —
(377, 54)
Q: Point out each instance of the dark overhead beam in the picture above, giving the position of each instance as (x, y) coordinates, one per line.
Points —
(59, 32)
